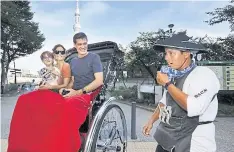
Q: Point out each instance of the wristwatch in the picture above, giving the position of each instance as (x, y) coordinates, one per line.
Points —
(84, 91)
(167, 84)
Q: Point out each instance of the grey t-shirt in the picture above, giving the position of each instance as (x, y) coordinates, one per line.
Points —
(83, 69)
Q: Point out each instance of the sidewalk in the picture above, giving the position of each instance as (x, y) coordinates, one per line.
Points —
(3, 145)
(131, 146)
(137, 105)
(141, 146)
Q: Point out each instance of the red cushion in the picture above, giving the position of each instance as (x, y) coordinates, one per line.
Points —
(44, 121)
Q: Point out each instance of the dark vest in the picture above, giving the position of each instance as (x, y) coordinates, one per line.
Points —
(177, 134)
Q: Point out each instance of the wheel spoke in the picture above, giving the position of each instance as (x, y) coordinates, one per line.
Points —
(110, 138)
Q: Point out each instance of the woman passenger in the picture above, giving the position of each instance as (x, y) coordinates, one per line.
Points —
(59, 55)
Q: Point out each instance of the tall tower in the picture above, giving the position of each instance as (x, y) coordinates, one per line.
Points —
(77, 26)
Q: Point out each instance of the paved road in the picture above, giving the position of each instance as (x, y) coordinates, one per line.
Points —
(224, 126)
(7, 107)
(141, 118)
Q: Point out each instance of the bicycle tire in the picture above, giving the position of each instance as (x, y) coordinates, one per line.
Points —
(99, 124)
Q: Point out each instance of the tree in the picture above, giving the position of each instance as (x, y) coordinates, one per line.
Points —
(20, 36)
(220, 15)
(218, 49)
(223, 48)
(141, 54)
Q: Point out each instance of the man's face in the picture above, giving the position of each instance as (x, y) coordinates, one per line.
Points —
(175, 58)
(81, 46)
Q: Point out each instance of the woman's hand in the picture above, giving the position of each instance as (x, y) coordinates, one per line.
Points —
(45, 86)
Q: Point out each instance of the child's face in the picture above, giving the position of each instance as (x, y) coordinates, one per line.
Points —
(47, 60)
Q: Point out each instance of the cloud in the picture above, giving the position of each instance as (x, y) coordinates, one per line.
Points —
(48, 19)
(90, 9)
(190, 16)
(57, 25)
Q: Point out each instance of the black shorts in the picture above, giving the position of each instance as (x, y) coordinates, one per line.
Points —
(160, 149)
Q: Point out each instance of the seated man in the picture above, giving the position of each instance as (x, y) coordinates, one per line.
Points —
(86, 68)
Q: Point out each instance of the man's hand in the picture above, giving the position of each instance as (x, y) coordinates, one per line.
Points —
(72, 93)
(45, 86)
(162, 79)
(61, 90)
(147, 128)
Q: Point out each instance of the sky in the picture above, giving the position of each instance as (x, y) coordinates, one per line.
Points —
(118, 21)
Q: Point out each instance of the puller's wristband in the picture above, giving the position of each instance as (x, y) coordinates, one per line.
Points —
(167, 84)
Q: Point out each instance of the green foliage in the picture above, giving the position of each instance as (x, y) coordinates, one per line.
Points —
(142, 55)
(225, 14)
(20, 35)
(219, 49)
(149, 98)
(226, 98)
(222, 48)
(126, 93)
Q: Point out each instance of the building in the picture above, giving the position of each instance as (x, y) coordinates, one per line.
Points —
(224, 70)
(22, 75)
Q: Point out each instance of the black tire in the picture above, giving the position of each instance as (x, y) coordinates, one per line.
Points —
(99, 124)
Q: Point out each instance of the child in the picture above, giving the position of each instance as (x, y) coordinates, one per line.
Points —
(49, 74)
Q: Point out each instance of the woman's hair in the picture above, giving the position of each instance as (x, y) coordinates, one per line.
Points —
(58, 45)
(48, 53)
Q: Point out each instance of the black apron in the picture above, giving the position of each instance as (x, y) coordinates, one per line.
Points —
(178, 133)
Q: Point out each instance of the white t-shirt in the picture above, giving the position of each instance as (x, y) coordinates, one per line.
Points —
(201, 85)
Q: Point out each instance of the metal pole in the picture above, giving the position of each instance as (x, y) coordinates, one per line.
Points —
(15, 73)
(133, 121)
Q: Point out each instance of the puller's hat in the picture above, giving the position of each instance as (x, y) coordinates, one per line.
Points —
(180, 41)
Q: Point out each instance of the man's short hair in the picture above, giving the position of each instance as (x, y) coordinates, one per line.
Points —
(79, 35)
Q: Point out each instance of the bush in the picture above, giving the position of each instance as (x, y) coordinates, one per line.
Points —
(122, 88)
(126, 93)
(226, 97)
(149, 98)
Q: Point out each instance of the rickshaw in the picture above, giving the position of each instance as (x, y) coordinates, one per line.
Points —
(104, 129)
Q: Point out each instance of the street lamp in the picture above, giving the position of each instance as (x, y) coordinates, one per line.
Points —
(170, 26)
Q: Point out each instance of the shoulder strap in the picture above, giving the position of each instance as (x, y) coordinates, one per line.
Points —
(213, 97)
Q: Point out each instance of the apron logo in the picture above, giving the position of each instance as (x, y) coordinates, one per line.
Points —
(200, 93)
(165, 114)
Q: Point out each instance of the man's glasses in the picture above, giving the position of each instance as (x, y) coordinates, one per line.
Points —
(59, 52)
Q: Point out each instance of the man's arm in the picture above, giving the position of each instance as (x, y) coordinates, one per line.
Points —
(70, 85)
(98, 74)
(156, 113)
(98, 81)
(155, 116)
